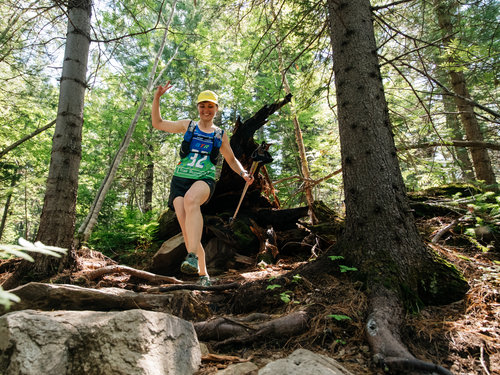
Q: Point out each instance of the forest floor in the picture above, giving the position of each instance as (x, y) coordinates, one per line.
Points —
(463, 337)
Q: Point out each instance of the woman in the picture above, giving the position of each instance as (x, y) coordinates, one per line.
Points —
(194, 177)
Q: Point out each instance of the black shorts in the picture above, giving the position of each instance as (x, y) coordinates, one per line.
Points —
(180, 185)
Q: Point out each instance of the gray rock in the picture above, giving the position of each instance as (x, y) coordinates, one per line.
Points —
(244, 368)
(169, 257)
(304, 362)
(133, 342)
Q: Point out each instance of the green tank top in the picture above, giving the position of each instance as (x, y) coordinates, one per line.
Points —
(197, 164)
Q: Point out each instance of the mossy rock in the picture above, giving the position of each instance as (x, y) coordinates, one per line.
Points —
(441, 283)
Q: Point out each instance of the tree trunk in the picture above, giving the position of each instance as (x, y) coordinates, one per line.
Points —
(453, 123)
(480, 157)
(148, 181)
(57, 222)
(14, 179)
(380, 236)
(90, 221)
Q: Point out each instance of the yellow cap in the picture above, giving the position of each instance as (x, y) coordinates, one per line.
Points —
(208, 96)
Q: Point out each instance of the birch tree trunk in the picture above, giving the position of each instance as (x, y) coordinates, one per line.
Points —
(380, 238)
(480, 157)
(90, 221)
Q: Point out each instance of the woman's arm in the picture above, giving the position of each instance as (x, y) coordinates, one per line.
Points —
(179, 126)
(231, 160)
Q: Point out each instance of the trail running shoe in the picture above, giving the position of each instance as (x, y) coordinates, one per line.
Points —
(190, 265)
(204, 281)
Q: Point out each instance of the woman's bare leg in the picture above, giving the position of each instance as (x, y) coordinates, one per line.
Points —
(190, 219)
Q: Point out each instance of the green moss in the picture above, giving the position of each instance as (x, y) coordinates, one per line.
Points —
(465, 190)
(441, 283)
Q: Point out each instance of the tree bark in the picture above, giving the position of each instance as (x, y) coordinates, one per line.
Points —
(90, 221)
(57, 222)
(380, 236)
(480, 157)
(13, 181)
(453, 123)
(148, 181)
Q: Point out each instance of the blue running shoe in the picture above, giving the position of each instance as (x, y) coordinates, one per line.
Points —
(190, 265)
(204, 281)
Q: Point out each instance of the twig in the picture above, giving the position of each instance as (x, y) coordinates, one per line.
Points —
(441, 232)
(482, 361)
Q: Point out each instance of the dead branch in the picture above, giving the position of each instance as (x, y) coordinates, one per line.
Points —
(151, 277)
(444, 230)
(477, 144)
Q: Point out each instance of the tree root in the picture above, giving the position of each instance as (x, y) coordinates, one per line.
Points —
(171, 288)
(151, 277)
(383, 336)
(406, 364)
(238, 331)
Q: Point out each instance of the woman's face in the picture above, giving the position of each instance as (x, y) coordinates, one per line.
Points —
(207, 110)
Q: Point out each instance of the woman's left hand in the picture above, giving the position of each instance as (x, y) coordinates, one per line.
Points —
(248, 178)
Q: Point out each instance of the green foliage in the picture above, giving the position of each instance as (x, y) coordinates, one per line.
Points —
(7, 251)
(287, 296)
(127, 233)
(230, 48)
(343, 268)
(339, 317)
(273, 286)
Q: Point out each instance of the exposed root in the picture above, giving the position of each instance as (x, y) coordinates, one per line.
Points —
(234, 331)
(151, 277)
(383, 336)
(171, 288)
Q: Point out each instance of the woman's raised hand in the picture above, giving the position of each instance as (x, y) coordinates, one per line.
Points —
(163, 89)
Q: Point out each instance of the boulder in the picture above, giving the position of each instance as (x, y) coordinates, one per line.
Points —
(169, 257)
(133, 342)
(302, 362)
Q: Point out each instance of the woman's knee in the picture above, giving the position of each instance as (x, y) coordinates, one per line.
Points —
(191, 202)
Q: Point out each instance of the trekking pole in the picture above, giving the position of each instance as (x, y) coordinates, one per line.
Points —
(252, 170)
(260, 155)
